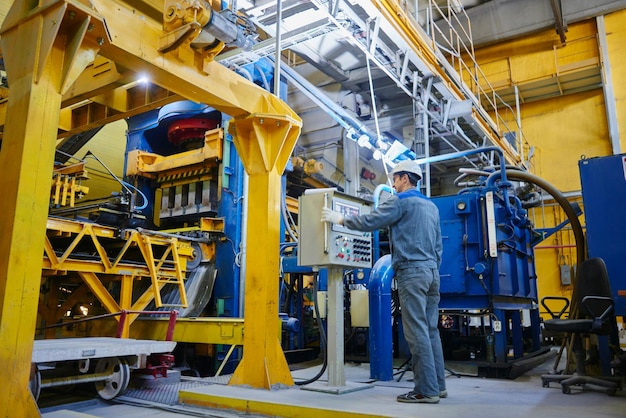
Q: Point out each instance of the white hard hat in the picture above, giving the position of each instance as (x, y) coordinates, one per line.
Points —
(407, 166)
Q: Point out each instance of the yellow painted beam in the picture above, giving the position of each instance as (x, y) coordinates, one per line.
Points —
(264, 143)
(248, 403)
(263, 363)
(228, 331)
(102, 95)
(134, 43)
(43, 52)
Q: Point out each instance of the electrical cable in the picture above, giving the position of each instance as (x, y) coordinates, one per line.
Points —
(143, 196)
(284, 212)
(323, 342)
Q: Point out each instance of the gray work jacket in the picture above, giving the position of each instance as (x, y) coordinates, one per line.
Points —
(415, 232)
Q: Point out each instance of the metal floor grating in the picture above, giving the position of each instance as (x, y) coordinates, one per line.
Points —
(167, 393)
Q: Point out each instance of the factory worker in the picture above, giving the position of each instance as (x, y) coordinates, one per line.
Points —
(416, 247)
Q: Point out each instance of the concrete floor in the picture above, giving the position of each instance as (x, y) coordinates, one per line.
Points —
(468, 397)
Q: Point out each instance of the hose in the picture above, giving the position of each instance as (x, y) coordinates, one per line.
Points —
(323, 345)
(576, 228)
(560, 199)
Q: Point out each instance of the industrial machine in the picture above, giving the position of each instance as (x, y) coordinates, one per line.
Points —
(603, 181)
(176, 233)
(489, 308)
(179, 221)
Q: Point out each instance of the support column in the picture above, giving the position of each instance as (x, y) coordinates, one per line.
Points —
(264, 143)
(607, 88)
(42, 52)
(336, 374)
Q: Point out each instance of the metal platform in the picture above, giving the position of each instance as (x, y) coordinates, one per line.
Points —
(65, 349)
(107, 362)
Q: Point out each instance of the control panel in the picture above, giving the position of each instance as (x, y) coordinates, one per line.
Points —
(324, 244)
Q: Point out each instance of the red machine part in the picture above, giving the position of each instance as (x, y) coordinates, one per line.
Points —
(367, 175)
(184, 131)
(158, 365)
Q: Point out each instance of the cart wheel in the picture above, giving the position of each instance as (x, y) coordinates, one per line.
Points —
(117, 382)
(35, 382)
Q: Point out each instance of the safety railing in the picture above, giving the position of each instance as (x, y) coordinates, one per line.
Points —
(449, 28)
(122, 322)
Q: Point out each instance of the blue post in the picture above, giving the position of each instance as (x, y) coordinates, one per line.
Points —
(381, 322)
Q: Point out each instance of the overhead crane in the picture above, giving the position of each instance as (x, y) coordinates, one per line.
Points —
(63, 38)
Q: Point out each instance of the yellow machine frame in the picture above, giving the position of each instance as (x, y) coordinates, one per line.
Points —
(46, 45)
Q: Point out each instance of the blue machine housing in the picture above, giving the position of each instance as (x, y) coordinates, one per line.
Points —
(470, 278)
(488, 305)
(603, 181)
(498, 288)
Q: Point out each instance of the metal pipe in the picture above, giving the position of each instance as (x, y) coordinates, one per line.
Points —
(547, 247)
(62, 381)
(565, 205)
(380, 316)
(244, 242)
(490, 180)
(223, 29)
(277, 60)
(168, 235)
(519, 124)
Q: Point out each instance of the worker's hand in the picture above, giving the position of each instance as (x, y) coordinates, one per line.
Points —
(331, 216)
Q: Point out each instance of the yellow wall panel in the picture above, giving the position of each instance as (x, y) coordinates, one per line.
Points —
(563, 129)
(109, 146)
(542, 41)
(615, 25)
(532, 66)
(538, 56)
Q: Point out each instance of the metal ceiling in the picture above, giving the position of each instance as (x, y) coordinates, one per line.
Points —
(355, 75)
(332, 43)
(358, 71)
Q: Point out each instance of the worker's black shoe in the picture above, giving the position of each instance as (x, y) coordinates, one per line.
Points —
(413, 397)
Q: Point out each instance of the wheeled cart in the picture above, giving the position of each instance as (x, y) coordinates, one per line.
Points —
(105, 361)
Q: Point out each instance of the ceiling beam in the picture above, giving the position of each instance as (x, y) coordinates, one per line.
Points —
(560, 23)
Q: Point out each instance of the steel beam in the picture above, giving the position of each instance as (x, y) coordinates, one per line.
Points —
(46, 45)
(44, 48)
(607, 87)
(263, 363)
(433, 60)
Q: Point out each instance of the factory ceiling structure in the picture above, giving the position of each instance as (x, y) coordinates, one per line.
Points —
(368, 67)
(378, 80)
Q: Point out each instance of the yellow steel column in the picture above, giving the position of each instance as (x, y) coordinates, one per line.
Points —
(42, 51)
(264, 143)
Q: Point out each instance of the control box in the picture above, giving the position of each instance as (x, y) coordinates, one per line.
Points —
(325, 244)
